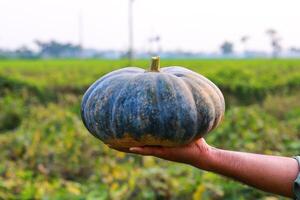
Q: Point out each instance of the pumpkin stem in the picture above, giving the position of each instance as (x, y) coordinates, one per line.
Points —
(155, 65)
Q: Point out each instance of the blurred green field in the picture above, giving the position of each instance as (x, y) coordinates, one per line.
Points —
(46, 153)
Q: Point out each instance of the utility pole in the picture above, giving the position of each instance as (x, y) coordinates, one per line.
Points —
(130, 29)
(80, 34)
(80, 29)
(275, 42)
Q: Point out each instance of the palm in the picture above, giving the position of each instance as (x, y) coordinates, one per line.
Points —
(184, 154)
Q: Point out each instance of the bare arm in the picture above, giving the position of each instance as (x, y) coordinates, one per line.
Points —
(269, 173)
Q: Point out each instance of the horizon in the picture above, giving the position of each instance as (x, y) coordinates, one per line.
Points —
(208, 25)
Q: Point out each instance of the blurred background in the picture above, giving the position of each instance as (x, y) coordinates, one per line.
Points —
(51, 51)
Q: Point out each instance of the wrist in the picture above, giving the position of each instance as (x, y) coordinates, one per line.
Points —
(207, 160)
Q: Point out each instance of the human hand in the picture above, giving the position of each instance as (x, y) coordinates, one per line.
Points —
(196, 153)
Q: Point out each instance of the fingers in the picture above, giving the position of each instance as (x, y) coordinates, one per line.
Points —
(125, 150)
(150, 151)
(167, 153)
(153, 151)
(185, 154)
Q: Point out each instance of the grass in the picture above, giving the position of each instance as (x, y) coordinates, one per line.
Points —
(46, 153)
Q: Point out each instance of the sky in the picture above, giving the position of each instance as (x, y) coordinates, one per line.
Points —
(190, 25)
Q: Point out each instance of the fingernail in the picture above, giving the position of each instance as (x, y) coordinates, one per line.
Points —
(134, 148)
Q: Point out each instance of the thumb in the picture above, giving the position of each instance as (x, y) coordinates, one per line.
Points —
(153, 151)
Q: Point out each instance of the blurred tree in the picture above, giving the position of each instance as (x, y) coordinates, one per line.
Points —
(22, 52)
(25, 52)
(227, 48)
(295, 49)
(57, 50)
(4, 54)
(275, 42)
(244, 40)
(154, 44)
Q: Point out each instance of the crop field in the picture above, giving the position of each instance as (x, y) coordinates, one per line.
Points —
(46, 152)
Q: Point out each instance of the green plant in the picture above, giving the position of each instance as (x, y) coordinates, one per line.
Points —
(50, 154)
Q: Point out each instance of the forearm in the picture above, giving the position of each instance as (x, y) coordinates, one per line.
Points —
(269, 173)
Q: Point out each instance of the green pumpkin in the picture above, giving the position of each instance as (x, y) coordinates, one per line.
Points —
(168, 106)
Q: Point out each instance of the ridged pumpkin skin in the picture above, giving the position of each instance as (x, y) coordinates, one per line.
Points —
(135, 107)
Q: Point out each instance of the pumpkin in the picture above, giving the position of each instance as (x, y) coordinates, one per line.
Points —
(168, 106)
